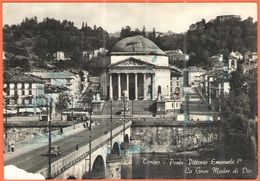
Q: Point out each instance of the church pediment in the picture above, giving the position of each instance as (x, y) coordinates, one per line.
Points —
(131, 62)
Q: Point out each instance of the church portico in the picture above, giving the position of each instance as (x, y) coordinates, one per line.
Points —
(137, 85)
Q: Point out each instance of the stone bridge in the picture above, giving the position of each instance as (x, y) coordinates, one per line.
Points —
(99, 159)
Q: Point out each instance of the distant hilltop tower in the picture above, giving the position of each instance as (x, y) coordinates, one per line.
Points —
(226, 17)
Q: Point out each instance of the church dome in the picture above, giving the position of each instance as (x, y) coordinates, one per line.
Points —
(136, 45)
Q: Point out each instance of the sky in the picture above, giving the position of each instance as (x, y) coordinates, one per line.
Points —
(176, 17)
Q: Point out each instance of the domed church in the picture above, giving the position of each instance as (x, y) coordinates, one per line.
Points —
(139, 70)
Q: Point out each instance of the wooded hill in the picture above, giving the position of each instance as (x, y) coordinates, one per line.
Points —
(32, 43)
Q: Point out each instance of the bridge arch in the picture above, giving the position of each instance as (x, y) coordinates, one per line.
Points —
(115, 149)
(98, 167)
(126, 138)
(71, 178)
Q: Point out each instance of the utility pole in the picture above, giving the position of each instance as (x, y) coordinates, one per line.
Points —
(5, 121)
(49, 112)
(124, 113)
(111, 105)
(90, 138)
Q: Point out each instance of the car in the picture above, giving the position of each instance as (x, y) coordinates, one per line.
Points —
(55, 150)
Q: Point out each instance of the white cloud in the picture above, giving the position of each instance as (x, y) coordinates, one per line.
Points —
(11, 172)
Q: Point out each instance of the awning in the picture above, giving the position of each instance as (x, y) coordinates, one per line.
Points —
(29, 109)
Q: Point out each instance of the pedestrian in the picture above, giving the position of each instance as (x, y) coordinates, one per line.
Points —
(77, 147)
(84, 125)
(12, 147)
(116, 121)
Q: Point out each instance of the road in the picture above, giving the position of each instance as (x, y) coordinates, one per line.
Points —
(197, 108)
(36, 159)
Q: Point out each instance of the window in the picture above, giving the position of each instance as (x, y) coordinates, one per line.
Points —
(232, 63)
(15, 93)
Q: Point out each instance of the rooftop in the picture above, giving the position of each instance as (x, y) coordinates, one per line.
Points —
(136, 45)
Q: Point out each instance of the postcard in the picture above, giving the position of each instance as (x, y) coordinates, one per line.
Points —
(141, 90)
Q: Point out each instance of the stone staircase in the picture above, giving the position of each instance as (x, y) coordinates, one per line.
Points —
(143, 107)
(140, 107)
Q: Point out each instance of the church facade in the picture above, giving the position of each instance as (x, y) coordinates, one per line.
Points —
(139, 70)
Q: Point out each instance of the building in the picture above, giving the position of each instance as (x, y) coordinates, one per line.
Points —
(250, 62)
(139, 70)
(59, 56)
(227, 17)
(233, 59)
(22, 92)
(100, 52)
(218, 63)
(214, 84)
(87, 55)
(193, 76)
(175, 55)
(59, 82)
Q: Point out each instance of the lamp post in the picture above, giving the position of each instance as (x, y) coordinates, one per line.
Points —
(5, 121)
(90, 138)
(49, 112)
(188, 107)
(111, 105)
(124, 113)
(72, 116)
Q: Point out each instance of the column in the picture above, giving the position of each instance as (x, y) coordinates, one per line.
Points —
(127, 85)
(153, 86)
(119, 87)
(136, 88)
(110, 87)
(145, 86)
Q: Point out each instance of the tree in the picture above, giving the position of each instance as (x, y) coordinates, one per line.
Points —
(143, 32)
(240, 105)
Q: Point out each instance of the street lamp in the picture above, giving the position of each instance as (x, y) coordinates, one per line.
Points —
(5, 121)
(111, 105)
(72, 116)
(49, 112)
(90, 138)
(124, 113)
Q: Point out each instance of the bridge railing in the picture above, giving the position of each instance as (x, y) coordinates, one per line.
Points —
(71, 159)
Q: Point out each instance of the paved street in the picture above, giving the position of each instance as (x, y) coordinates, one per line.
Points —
(198, 109)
